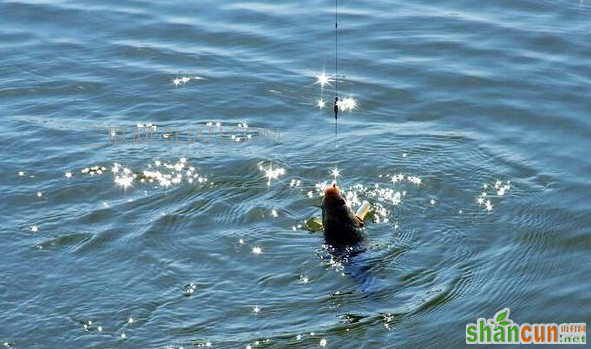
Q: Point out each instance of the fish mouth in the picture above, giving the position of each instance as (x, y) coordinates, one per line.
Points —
(333, 198)
(333, 191)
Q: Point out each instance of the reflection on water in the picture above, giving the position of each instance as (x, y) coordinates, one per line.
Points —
(466, 127)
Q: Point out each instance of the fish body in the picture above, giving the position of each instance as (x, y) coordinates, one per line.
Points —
(341, 226)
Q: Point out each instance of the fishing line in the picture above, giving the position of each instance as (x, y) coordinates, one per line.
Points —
(336, 70)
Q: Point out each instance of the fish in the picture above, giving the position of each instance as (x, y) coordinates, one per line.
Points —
(346, 240)
(341, 226)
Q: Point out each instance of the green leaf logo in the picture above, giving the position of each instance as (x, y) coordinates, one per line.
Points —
(502, 315)
(501, 318)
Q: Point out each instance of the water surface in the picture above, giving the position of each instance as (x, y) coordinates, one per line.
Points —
(458, 94)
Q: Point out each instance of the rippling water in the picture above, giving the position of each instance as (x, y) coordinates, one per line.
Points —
(458, 94)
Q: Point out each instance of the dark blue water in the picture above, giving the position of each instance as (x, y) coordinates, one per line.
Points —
(457, 94)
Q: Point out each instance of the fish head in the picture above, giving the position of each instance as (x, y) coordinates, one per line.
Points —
(333, 198)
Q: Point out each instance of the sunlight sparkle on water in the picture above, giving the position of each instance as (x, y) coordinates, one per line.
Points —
(415, 180)
(272, 173)
(124, 181)
(162, 173)
(323, 79)
(295, 183)
(335, 173)
(347, 104)
(499, 188)
(190, 289)
(257, 250)
(183, 80)
(383, 196)
(93, 170)
(321, 104)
